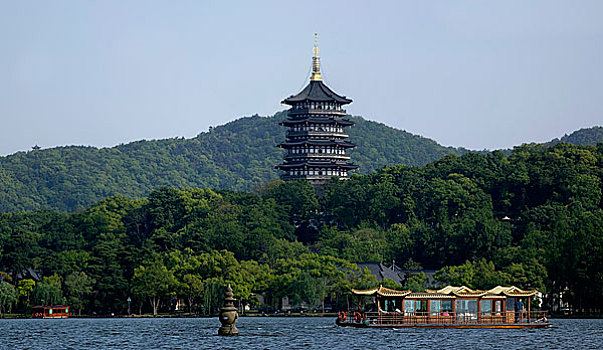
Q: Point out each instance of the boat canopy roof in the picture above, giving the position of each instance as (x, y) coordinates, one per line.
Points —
(382, 291)
(512, 291)
(498, 291)
(448, 292)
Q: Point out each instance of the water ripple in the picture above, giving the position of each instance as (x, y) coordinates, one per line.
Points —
(282, 333)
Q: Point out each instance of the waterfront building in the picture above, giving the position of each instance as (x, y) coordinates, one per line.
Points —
(316, 144)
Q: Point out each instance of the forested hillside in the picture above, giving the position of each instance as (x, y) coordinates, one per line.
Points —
(584, 137)
(533, 219)
(236, 156)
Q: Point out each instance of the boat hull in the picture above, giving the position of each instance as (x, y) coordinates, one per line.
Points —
(473, 326)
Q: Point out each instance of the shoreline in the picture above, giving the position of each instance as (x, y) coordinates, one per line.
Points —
(286, 315)
(250, 315)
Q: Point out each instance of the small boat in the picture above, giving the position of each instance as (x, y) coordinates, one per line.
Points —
(448, 307)
(50, 311)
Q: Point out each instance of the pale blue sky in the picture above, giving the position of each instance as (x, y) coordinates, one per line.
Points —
(479, 74)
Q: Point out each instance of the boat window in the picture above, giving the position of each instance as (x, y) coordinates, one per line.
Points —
(440, 307)
(446, 306)
(486, 307)
(466, 306)
(409, 306)
(498, 307)
(510, 304)
(435, 307)
(421, 305)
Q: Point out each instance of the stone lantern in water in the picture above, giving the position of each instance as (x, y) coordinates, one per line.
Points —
(228, 315)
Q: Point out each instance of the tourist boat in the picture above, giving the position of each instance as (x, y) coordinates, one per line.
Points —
(51, 311)
(448, 307)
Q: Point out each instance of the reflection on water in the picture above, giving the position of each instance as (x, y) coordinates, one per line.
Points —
(279, 333)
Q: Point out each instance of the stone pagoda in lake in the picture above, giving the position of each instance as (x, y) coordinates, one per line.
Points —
(316, 139)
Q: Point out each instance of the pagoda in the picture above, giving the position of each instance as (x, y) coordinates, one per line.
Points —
(316, 139)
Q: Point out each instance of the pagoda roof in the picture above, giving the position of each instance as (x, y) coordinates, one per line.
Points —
(317, 120)
(318, 143)
(316, 91)
(317, 164)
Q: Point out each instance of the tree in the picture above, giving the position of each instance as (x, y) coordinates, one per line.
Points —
(298, 197)
(25, 287)
(48, 291)
(481, 274)
(8, 296)
(154, 281)
(192, 289)
(78, 286)
(417, 282)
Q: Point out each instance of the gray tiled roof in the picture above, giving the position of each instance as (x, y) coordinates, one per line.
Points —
(316, 91)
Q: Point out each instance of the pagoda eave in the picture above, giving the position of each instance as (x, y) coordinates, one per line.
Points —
(316, 91)
(317, 165)
(342, 144)
(342, 122)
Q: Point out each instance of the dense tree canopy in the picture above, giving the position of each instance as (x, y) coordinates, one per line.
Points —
(533, 219)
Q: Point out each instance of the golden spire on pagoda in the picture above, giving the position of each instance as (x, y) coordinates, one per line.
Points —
(315, 61)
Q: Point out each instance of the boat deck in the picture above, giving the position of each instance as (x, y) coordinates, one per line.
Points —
(533, 319)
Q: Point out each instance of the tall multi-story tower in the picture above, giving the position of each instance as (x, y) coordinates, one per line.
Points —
(316, 139)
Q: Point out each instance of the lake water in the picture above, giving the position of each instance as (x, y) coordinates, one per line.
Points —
(282, 333)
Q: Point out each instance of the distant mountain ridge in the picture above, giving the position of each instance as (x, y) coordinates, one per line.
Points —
(236, 156)
(583, 137)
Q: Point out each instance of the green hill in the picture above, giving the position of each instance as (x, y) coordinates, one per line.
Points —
(238, 156)
(582, 137)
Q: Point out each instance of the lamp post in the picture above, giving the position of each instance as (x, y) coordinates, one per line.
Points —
(129, 301)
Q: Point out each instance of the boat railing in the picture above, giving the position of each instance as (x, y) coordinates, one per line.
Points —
(393, 318)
